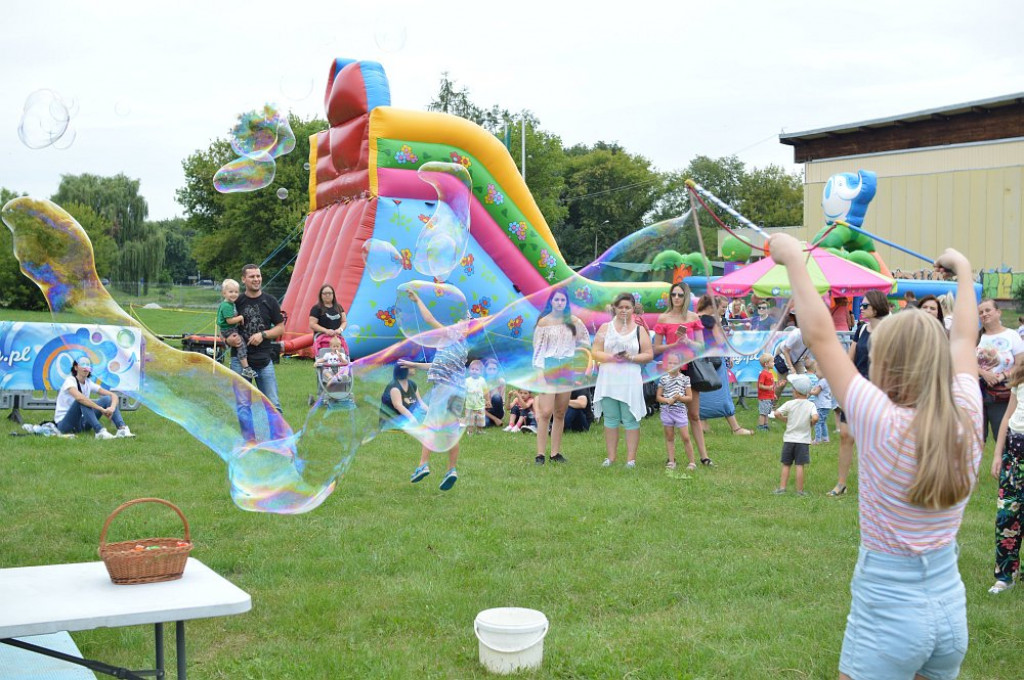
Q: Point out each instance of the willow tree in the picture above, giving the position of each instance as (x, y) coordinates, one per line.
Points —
(140, 244)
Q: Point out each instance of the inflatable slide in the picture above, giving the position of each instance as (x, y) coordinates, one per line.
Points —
(364, 185)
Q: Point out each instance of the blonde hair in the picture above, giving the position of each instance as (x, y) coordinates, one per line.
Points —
(912, 364)
(227, 283)
(1016, 376)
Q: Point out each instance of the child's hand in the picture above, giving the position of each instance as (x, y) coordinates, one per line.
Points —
(952, 262)
(772, 415)
(785, 250)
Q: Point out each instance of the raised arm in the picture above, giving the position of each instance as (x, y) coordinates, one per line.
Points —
(815, 322)
(427, 316)
(964, 331)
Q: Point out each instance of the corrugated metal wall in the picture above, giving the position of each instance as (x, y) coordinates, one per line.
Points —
(969, 197)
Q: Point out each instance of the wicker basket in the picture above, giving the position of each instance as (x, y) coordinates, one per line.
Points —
(147, 560)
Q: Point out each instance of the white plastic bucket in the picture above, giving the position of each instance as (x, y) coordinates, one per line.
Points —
(511, 638)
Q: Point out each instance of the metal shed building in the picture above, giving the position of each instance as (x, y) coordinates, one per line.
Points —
(946, 177)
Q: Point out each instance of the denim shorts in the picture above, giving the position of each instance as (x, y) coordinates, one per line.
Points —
(908, 615)
(765, 406)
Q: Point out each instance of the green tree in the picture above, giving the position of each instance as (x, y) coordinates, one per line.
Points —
(236, 228)
(17, 291)
(754, 195)
(454, 101)
(98, 228)
(608, 193)
(179, 264)
(117, 199)
(545, 167)
(771, 197)
(545, 158)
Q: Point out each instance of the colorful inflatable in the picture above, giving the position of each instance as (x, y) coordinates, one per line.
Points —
(845, 200)
(365, 188)
(364, 185)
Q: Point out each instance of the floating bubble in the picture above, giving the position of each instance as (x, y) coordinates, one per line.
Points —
(282, 193)
(352, 331)
(248, 173)
(255, 132)
(44, 119)
(389, 35)
(271, 466)
(66, 140)
(305, 166)
(640, 247)
(443, 240)
(258, 138)
(446, 308)
(123, 108)
(227, 413)
(70, 105)
(438, 254)
(296, 88)
(262, 131)
(381, 259)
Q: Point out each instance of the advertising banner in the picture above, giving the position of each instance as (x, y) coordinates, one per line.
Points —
(745, 365)
(38, 356)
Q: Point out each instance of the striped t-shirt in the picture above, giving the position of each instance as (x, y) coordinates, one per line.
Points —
(670, 387)
(889, 522)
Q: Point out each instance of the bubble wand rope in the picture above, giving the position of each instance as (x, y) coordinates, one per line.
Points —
(697, 191)
(707, 286)
(707, 265)
(908, 251)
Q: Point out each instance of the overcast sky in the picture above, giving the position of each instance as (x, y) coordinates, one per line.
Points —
(154, 82)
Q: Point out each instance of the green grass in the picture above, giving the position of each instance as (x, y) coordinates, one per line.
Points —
(641, 574)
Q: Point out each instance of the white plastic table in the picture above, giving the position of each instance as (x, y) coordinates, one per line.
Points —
(72, 597)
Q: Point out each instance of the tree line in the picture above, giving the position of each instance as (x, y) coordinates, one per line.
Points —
(591, 196)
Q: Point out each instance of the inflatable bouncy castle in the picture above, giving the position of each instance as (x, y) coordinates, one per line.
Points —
(364, 185)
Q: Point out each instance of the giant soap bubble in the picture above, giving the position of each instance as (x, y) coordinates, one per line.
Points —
(258, 138)
(382, 259)
(445, 303)
(271, 466)
(443, 240)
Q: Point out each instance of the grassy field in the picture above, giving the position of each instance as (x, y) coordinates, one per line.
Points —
(642, 574)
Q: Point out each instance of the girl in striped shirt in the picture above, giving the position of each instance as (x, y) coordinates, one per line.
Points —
(673, 395)
(917, 426)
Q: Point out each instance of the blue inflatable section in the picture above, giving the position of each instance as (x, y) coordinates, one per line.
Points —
(487, 289)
